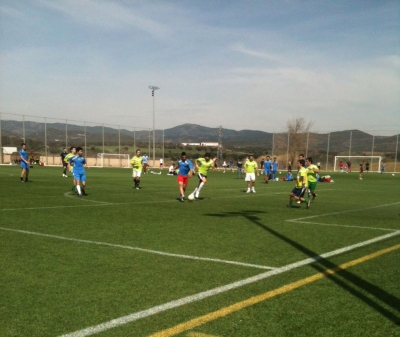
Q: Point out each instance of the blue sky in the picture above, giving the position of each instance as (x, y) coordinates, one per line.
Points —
(240, 64)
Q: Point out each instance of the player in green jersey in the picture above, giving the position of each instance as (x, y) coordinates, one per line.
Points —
(250, 169)
(137, 164)
(312, 170)
(301, 185)
(203, 165)
(67, 160)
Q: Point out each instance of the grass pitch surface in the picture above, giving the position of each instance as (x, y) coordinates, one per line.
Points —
(126, 262)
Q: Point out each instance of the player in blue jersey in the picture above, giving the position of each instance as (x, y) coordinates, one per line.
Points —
(185, 167)
(145, 163)
(23, 157)
(274, 168)
(79, 163)
(267, 169)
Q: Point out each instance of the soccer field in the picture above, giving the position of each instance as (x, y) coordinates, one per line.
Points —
(125, 262)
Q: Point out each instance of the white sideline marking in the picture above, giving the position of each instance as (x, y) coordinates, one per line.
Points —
(138, 249)
(335, 225)
(212, 292)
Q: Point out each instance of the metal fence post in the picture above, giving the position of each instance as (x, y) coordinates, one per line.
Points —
(327, 151)
(395, 155)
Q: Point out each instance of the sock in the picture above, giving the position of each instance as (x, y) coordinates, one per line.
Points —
(22, 179)
(306, 201)
(78, 187)
(200, 187)
(137, 182)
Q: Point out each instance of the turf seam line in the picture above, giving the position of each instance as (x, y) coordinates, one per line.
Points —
(215, 291)
(151, 251)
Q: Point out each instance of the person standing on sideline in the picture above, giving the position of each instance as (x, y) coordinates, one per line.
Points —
(274, 168)
(301, 185)
(267, 169)
(250, 168)
(137, 165)
(341, 167)
(79, 171)
(161, 163)
(224, 165)
(203, 165)
(312, 171)
(319, 166)
(360, 172)
(185, 172)
(239, 165)
(383, 167)
(23, 157)
(63, 163)
(367, 166)
(145, 163)
(289, 166)
(348, 166)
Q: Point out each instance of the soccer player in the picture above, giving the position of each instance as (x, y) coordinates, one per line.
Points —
(67, 159)
(145, 163)
(348, 166)
(23, 157)
(250, 168)
(312, 170)
(137, 165)
(63, 163)
(360, 172)
(301, 185)
(185, 172)
(203, 165)
(267, 169)
(79, 163)
(367, 166)
(239, 165)
(383, 167)
(274, 168)
(161, 163)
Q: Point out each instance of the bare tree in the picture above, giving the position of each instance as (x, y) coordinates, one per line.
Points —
(297, 129)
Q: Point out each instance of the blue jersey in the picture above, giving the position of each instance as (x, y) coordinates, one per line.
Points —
(267, 166)
(22, 153)
(79, 163)
(185, 167)
(274, 166)
(145, 159)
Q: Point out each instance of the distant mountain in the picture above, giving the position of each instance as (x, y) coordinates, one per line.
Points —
(340, 141)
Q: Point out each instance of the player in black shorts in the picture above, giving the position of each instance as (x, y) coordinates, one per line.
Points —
(361, 170)
(367, 166)
(64, 164)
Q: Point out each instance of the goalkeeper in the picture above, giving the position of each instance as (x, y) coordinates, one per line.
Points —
(301, 185)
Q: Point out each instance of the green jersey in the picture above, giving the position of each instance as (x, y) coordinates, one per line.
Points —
(311, 175)
(136, 163)
(301, 179)
(250, 166)
(68, 157)
(204, 166)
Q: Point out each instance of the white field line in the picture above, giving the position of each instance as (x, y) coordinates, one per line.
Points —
(218, 290)
(335, 225)
(342, 212)
(69, 195)
(151, 251)
(104, 203)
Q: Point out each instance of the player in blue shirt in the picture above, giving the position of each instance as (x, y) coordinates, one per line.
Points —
(185, 167)
(267, 169)
(274, 168)
(79, 163)
(145, 163)
(23, 157)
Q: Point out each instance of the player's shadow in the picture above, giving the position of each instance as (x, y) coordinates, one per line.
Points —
(348, 281)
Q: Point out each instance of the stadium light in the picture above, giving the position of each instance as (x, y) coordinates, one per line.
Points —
(154, 123)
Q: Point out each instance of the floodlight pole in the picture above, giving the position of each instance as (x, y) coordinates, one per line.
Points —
(152, 87)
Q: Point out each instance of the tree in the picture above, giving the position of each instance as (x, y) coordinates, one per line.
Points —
(297, 129)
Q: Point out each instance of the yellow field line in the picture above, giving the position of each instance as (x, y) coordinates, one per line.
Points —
(259, 298)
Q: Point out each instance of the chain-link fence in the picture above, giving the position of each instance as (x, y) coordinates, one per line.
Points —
(109, 145)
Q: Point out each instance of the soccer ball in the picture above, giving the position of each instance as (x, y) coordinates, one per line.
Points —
(277, 179)
(191, 197)
(280, 172)
(393, 174)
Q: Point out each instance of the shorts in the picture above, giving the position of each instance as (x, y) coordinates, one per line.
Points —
(80, 176)
(24, 165)
(65, 164)
(312, 185)
(250, 177)
(201, 176)
(136, 174)
(298, 192)
(183, 179)
(267, 172)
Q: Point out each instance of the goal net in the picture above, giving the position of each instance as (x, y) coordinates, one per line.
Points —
(374, 162)
(113, 160)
